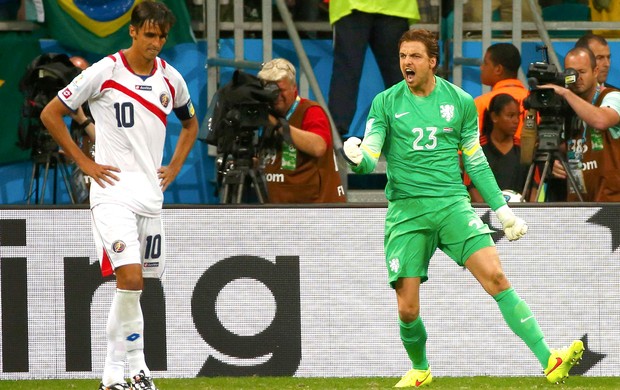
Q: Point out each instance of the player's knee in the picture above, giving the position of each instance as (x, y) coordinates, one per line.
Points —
(498, 282)
(129, 277)
(408, 313)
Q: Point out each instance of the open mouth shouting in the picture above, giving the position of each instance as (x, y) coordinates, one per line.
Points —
(409, 74)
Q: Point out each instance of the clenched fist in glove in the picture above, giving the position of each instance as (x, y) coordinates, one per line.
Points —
(351, 150)
(514, 227)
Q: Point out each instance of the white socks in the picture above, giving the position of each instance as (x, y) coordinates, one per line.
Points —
(125, 332)
(114, 369)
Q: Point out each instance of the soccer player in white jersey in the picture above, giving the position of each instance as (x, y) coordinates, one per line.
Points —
(130, 94)
(420, 125)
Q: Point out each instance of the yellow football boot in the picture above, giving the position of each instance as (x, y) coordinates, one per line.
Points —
(562, 360)
(416, 378)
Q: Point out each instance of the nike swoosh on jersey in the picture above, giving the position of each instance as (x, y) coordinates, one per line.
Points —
(398, 115)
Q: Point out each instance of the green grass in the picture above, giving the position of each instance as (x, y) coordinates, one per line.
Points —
(288, 383)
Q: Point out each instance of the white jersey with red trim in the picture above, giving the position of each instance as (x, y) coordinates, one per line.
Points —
(130, 113)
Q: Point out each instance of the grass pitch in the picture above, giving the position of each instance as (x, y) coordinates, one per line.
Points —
(289, 383)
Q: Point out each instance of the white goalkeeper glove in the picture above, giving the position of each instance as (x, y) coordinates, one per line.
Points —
(514, 227)
(351, 150)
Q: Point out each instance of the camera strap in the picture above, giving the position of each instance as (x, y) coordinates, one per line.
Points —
(596, 101)
(289, 152)
(293, 108)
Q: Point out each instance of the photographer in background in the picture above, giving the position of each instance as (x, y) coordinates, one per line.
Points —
(593, 152)
(300, 167)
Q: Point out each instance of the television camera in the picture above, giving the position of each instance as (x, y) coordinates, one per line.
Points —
(556, 120)
(238, 125)
(43, 78)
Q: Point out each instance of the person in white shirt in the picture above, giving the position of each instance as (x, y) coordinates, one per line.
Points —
(130, 94)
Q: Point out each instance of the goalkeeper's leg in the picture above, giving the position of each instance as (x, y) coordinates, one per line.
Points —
(413, 336)
(412, 332)
(485, 265)
(522, 322)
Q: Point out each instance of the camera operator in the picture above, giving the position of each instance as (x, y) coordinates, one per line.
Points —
(300, 167)
(593, 151)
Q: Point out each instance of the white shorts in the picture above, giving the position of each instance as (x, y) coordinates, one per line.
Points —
(123, 237)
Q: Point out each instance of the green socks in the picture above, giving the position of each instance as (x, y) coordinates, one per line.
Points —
(521, 321)
(413, 335)
(516, 313)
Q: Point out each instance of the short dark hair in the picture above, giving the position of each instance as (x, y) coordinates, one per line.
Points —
(152, 12)
(426, 37)
(577, 50)
(506, 55)
(585, 40)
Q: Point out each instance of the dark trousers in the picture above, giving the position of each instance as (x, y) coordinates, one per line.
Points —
(352, 35)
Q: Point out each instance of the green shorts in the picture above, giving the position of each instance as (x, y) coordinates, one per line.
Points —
(415, 228)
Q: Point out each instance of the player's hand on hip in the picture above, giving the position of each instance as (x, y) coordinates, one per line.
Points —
(352, 152)
(514, 227)
(166, 175)
(101, 174)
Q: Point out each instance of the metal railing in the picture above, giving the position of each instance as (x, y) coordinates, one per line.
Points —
(517, 26)
(214, 28)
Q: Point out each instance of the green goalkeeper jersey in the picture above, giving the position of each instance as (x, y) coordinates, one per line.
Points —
(420, 138)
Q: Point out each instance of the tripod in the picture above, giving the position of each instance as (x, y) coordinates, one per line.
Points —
(546, 158)
(45, 161)
(234, 179)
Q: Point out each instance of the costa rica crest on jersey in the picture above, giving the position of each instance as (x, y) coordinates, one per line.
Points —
(447, 111)
(164, 99)
(118, 246)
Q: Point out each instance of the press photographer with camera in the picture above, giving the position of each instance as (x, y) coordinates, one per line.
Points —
(301, 166)
(593, 149)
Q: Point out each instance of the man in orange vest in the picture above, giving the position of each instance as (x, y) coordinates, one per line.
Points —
(499, 70)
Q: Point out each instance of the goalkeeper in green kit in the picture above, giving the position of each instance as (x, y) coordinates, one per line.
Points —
(420, 125)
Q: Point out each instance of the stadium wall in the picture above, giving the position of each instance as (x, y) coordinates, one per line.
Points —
(302, 292)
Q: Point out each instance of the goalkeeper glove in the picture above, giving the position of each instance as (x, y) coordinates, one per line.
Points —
(514, 227)
(352, 152)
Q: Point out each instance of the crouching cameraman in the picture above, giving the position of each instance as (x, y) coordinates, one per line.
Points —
(301, 166)
(593, 151)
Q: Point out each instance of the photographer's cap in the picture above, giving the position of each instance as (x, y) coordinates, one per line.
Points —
(276, 70)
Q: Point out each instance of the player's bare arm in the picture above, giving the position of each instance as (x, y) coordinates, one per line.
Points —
(167, 174)
(52, 118)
